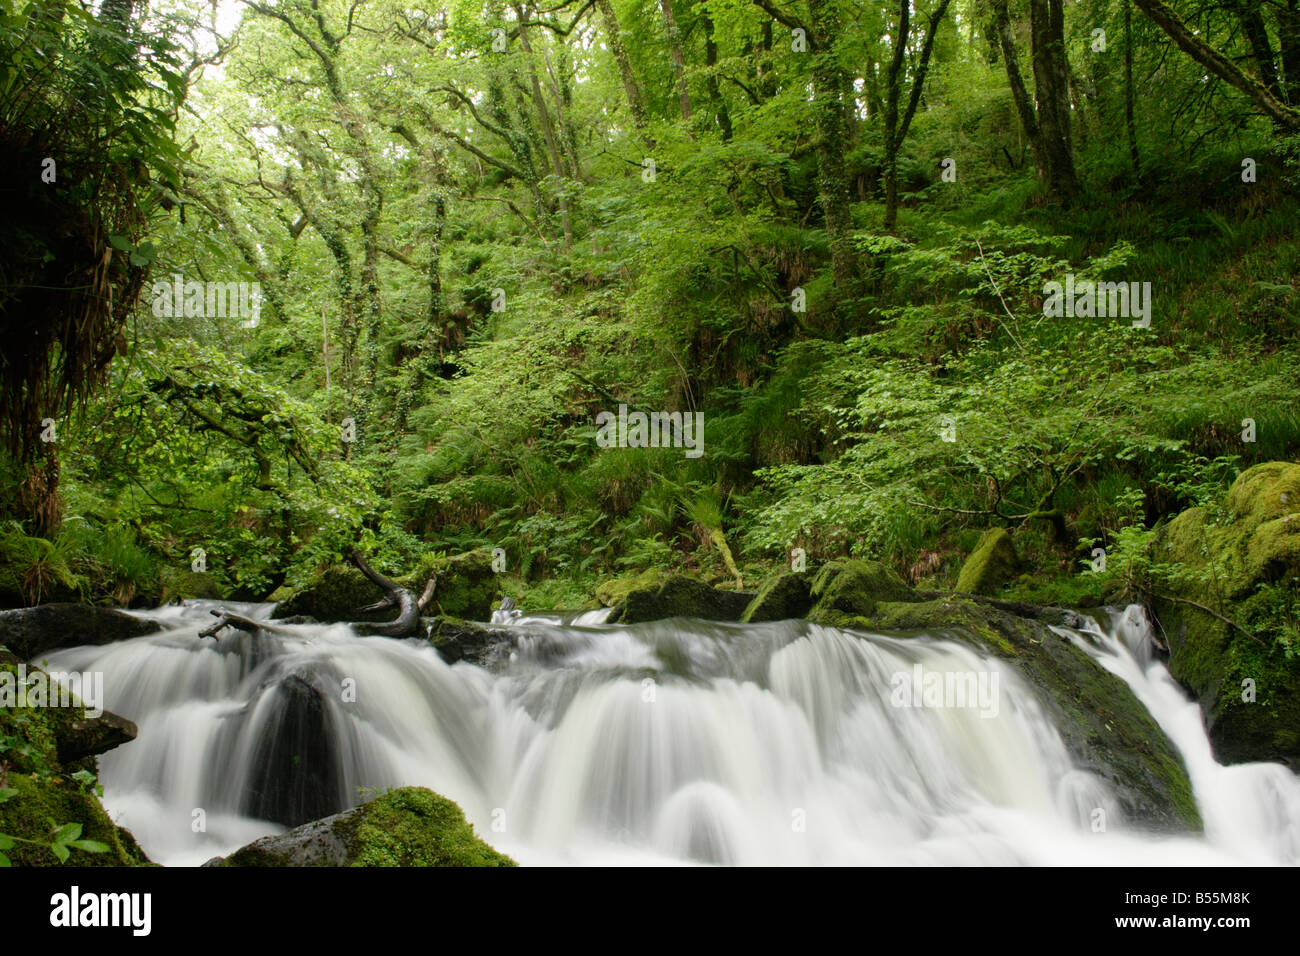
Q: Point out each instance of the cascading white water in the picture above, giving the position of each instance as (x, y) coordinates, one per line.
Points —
(675, 741)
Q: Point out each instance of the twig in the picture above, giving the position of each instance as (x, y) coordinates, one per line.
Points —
(993, 283)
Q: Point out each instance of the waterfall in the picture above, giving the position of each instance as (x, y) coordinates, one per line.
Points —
(661, 743)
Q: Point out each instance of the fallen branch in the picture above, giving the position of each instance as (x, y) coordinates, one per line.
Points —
(1213, 614)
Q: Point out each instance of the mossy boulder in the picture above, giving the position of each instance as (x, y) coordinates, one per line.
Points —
(786, 596)
(335, 595)
(466, 588)
(412, 826)
(1103, 725)
(33, 632)
(680, 596)
(467, 585)
(189, 586)
(843, 590)
(990, 566)
(43, 747)
(1239, 562)
(614, 590)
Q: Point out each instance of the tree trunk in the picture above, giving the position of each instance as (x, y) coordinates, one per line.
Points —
(631, 89)
(831, 133)
(1288, 41)
(1219, 64)
(1261, 50)
(1019, 94)
(679, 61)
(1051, 81)
(1129, 124)
(715, 94)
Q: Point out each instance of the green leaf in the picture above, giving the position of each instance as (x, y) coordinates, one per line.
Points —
(7, 793)
(4, 861)
(69, 831)
(90, 846)
(6, 842)
(121, 243)
(60, 851)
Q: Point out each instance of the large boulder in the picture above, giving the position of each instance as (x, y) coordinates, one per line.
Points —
(457, 640)
(844, 590)
(190, 585)
(412, 826)
(466, 588)
(43, 748)
(786, 596)
(467, 584)
(680, 596)
(1237, 570)
(333, 596)
(990, 566)
(32, 632)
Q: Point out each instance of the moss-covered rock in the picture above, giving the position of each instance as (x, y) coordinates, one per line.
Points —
(990, 566)
(680, 596)
(614, 590)
(1231, 562)
(1104, 726)
(466, 588)
(412, 826)
(335, 595)
(786, 596)
(467, 585)
(844, 590)
(43, 747)
(190, 585)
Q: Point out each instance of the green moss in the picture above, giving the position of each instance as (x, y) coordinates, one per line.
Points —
(46, 796)
(615, 590)
(189, 585)
(467, 585)
(680, 596)
(43, 804)
(784, 597)
(1237, 562)
(847, 589)
(415, 827)
(990, 566)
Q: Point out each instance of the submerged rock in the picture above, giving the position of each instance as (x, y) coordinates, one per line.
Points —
(990, 566)
(1103, 725)
(680, 596)
(33, 632)
(457, 640)
(412, 826)
(1241, 564)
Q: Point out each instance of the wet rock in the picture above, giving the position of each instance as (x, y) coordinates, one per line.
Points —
(412, 826)
(32, 632)
(680, 596)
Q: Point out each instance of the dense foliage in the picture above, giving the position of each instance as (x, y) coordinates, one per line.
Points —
(827, 225)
